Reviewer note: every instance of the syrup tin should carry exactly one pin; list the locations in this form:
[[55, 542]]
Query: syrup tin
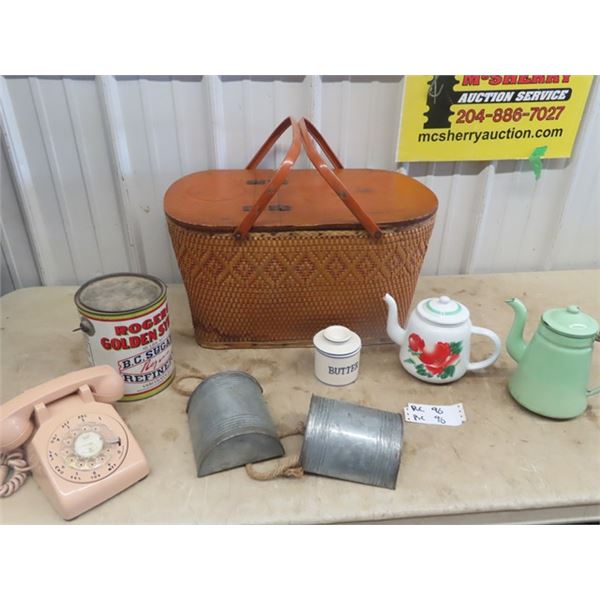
[[125, 319], [337, 355]]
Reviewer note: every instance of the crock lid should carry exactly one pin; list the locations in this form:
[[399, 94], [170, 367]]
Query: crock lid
[[570, 321], [337, 340], [443, 310]]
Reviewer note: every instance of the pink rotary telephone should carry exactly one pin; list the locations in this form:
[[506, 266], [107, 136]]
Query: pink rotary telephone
[[79, 448]]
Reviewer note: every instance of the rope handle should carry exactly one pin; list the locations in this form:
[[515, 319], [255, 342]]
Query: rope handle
[[288, 466], [16, 462], [176, 385], [242, 230], [308, 131]]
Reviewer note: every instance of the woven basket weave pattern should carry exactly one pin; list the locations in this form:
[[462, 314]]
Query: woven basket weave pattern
[[279, 289]]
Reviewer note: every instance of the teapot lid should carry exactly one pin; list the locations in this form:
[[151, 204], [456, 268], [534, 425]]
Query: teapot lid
[[570, 321], [443, 311]]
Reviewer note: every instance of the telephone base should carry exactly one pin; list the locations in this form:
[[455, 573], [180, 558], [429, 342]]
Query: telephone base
[[71, 507], [81, 452], [71, 490]]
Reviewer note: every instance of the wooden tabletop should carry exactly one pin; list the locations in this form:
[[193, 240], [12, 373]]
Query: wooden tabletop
[[504, 464]]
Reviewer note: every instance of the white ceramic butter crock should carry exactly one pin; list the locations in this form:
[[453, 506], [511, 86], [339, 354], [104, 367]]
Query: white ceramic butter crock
[[337, 355]]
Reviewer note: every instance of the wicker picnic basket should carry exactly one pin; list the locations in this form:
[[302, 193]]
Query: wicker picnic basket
[[325, 252]]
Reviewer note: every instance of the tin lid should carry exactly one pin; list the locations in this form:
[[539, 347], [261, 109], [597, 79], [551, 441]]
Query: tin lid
[[570, 321], [119, 292], [443, 310], [337, 340]]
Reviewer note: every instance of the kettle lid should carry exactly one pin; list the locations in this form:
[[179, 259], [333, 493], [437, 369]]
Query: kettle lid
[[443, 311], [571, 322]]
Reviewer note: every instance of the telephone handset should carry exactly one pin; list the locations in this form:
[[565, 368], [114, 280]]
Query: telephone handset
[[80, 450]]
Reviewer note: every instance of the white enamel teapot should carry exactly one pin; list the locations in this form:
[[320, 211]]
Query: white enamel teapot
[[436, 344]]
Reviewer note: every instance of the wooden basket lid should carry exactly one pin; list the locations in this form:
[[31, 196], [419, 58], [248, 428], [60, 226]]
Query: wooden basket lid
[[220, 199]]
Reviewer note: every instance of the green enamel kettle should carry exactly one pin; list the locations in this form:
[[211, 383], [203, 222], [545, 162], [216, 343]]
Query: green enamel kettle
[[554, 367]]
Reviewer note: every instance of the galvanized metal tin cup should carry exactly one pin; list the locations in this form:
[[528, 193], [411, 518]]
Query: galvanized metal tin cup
[[230, 424], [351, 442]]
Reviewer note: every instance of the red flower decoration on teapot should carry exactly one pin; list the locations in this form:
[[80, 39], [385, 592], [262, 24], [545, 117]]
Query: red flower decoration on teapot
[[441, 357], [416, 343], [439, 362]]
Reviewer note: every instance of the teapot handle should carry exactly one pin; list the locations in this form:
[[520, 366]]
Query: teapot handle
[[482, 364]]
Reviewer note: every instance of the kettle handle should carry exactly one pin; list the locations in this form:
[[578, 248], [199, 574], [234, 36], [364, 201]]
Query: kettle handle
[[482, 364], [595, 390]]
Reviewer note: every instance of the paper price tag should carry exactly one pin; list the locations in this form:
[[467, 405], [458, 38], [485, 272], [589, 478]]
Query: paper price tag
[[429, 414]]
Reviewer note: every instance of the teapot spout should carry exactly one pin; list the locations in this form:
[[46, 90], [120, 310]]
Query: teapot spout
[[394, 331], [515, 344]]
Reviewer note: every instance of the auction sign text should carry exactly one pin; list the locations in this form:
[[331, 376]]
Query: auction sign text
[[490, 117]]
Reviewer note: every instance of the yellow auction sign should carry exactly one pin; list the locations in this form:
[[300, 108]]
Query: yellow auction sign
[[490, 117]]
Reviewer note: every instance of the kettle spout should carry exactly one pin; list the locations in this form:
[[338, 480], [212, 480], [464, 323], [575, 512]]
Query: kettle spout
[[394, 331], [515, 344]]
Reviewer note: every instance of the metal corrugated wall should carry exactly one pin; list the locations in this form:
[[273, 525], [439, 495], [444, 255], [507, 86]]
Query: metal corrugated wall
[[86, 161], [18, 268]]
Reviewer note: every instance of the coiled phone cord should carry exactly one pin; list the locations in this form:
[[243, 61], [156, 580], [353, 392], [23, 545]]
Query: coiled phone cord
[[20, 469]]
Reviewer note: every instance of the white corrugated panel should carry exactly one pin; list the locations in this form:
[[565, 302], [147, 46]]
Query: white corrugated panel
[[18, 268], [90, 159]]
